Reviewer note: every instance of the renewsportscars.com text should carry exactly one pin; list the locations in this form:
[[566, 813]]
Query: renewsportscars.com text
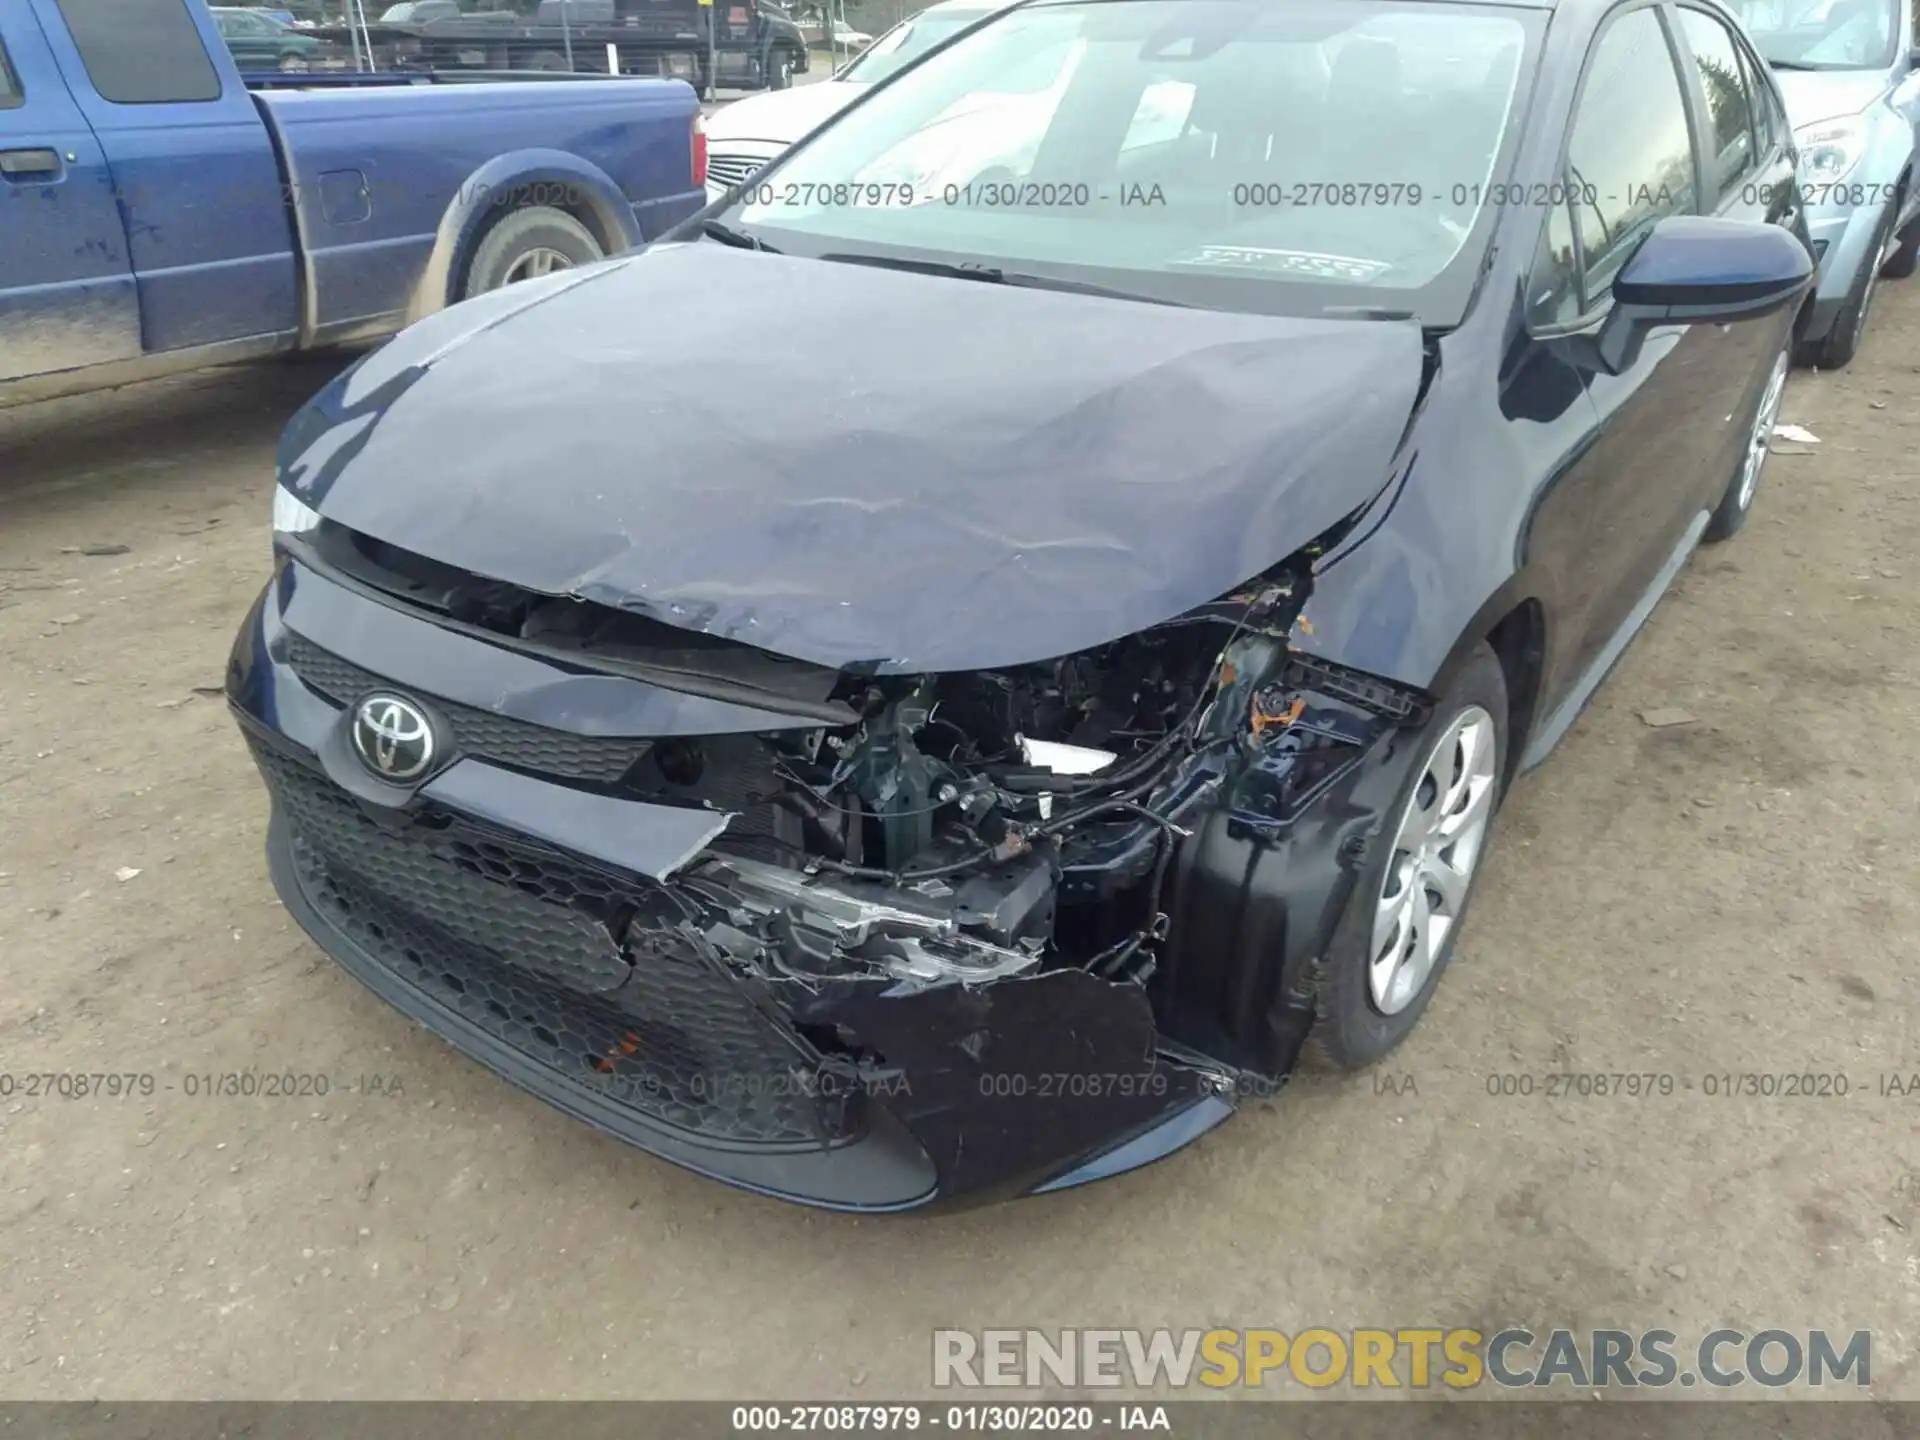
[[1383, 1358]]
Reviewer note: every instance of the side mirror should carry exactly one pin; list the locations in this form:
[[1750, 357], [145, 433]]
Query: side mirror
[[1696, 268]]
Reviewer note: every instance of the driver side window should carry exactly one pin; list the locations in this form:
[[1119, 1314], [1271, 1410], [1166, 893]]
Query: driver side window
[[1629, 164]]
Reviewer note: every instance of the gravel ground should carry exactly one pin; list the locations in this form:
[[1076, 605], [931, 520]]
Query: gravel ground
[[1732, 894]]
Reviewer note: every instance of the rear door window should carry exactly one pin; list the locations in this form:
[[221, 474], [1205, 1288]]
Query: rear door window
[[144, 54]]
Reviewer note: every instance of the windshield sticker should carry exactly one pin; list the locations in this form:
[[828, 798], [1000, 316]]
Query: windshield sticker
[[1293, 262]]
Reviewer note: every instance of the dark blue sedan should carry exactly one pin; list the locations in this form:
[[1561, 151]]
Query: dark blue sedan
[[942, 676]]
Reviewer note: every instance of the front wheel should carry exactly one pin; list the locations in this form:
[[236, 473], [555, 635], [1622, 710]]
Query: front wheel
[[1906, 254], [1842, 342], [779, 68], [294, 64], [1403, 918], [527, 244]]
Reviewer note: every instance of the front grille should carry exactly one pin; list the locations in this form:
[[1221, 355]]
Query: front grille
[[520, 744], [521, 941], [727, 171]]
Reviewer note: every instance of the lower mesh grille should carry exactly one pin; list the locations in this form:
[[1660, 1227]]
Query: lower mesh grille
[[519, 941]]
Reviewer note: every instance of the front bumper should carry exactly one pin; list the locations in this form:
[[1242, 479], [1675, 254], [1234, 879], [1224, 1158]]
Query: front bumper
[[584, 982]]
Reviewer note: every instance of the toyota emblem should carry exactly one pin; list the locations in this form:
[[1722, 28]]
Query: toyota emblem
[[393, 738]]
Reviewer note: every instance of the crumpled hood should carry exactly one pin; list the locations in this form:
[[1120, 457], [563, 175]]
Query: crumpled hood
[[853, 466]]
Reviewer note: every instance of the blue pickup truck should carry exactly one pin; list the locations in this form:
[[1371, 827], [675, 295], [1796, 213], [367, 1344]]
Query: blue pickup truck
[[158, 212]]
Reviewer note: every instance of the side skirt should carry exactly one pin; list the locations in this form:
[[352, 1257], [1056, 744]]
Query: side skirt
[[31, 389]]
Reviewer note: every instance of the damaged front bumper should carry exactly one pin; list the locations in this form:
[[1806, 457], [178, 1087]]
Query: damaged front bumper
[[518, 919]]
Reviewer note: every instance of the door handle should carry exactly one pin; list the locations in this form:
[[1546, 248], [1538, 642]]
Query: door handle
[[29, 162]]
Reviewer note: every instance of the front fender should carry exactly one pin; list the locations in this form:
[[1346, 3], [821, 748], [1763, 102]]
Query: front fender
[[1842, 218], [520, 177]]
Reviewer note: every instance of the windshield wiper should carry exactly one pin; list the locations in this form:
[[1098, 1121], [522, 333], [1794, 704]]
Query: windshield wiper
[[727, 235], [994, 275]]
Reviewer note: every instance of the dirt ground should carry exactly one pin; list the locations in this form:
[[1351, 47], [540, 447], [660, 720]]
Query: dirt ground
[[1735, 894]]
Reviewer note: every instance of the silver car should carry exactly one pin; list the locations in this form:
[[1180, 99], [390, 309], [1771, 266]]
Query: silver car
[[1846, 70]]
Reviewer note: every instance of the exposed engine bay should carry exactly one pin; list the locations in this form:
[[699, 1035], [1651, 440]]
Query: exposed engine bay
[[970, 824], [978, 825]]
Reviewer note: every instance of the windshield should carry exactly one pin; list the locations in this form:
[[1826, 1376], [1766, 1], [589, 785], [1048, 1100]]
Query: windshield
[[1297, 158], [1822, 34], [908, 40]]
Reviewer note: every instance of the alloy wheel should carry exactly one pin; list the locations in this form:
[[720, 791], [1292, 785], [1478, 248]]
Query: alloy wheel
[[1435, 852], [1763, 422]]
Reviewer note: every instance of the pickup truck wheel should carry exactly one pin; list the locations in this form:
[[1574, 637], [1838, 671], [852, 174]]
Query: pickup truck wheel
[[779, 69], [527, 244]]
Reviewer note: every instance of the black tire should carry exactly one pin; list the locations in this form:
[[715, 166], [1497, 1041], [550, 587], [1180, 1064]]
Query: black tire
[[294, 62], [1906, 258], [779, 69], [1836, 349], [519, 239], [1350, 1030], [1737, 502]]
